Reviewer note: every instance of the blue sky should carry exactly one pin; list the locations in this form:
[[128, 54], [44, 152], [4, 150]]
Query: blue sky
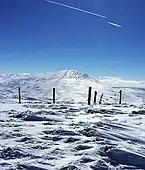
[[36, 36]]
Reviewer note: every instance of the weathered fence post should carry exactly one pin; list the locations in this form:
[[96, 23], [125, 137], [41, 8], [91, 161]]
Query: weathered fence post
[[89, 95], [120, 99], [101, 98], [19, 91], [53, 95], [95, 96]]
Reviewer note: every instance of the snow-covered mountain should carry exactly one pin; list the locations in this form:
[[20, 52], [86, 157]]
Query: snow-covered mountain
[[70, 85], [68, 135]]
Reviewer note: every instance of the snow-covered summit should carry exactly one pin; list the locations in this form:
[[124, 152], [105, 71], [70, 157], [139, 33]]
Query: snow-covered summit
[[72, 74]]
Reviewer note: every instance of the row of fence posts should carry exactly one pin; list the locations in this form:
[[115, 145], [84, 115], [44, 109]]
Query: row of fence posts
[[89, 96], [101, 98], [95, 96]]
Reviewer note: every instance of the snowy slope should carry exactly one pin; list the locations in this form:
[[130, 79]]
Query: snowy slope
[[39, 135], [70, 85]]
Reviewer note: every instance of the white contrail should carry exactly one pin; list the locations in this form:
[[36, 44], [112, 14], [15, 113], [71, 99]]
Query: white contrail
[[84, 11], [77, 9], [116, 25]]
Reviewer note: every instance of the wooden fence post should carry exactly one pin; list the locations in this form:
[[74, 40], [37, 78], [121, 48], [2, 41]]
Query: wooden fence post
[[53, 95], [19, 91], [89, 95], [95, 96], [120, 99], [101, 98]]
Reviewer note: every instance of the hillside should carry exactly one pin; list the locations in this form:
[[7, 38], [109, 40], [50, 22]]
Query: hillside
[[70, 135], [71, 85]]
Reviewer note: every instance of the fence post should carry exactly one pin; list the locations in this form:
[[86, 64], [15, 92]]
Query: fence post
[[19, 91], [95, 96], [101, 98], [120, 99], [89, 95], [53, 95]]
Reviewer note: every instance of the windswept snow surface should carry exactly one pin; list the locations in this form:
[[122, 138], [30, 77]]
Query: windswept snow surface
[[69, 135]]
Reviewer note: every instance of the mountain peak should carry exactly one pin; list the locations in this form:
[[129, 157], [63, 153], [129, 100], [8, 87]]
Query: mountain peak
[[71, 73]]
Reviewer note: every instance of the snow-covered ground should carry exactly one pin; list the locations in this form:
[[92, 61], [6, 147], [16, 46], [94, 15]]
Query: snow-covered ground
[[70, 85], [69, 135]]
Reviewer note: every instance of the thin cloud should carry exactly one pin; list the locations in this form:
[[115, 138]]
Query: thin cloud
[[114, 24]]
